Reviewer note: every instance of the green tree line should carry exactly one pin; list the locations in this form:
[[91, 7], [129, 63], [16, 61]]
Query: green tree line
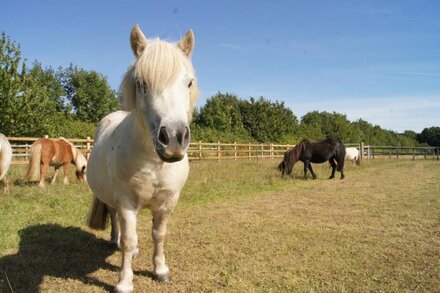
[[225, 117], [35, 101], [69, 102]]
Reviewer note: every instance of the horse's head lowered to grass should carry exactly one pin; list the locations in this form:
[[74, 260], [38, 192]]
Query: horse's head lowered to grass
[[161, 87]]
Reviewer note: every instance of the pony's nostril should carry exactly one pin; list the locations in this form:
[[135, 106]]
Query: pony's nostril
[[163, 136], [183, 136], [186, 135]]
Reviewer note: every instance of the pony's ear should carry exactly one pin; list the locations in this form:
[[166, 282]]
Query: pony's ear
[[186, 44], [138, 41]]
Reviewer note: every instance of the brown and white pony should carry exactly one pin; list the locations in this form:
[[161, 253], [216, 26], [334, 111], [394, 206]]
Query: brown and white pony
[[58, 153], [139, 158], [5, 161]]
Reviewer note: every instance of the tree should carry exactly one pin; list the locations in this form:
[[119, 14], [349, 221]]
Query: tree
[[268, 121], [430, 136], [29, 98], [222, 112], [88, 94], [319, 125]]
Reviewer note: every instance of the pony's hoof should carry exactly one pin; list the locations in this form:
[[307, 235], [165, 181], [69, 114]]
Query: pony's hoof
[[163, 278], [123, 288]]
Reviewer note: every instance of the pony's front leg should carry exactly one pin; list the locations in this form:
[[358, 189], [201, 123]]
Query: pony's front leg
[[128, 245], [306, 165], [66, 167], [55, 174], [161, 271], [311, 171]]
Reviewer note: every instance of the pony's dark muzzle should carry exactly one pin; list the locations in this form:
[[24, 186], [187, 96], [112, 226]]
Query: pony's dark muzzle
[[173, 142]]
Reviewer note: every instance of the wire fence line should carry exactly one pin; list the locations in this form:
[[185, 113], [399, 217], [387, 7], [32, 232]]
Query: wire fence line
[[199, 150]]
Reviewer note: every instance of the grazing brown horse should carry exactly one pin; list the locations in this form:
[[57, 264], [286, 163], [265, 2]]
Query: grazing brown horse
[[330, 149], [47, 152]]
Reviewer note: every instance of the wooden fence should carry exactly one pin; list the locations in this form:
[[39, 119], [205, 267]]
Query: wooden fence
[[372, 152], [233, 151]]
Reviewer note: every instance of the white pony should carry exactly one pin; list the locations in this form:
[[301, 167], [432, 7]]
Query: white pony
[[352, 154], [5, 161], [139, 158]]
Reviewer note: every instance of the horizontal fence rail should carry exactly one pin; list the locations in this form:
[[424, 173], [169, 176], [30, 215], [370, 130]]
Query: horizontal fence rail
[[199, 150]]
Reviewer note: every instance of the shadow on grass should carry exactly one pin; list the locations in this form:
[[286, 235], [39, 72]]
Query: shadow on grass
[[52, 250], [22, 182]]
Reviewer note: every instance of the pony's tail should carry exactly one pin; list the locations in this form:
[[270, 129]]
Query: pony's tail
[[358, 159], [341, 159], [33, 171], [98, 215]]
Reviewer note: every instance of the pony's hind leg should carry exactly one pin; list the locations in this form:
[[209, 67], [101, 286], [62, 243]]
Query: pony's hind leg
[[128, 245], [161, 270], [114, 234], [333, 163], [5, 184], [43, 171], [341, 169]]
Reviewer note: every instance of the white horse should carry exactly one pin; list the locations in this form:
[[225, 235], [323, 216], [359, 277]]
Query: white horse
[[139, 158], [352, 154], [5, 161]]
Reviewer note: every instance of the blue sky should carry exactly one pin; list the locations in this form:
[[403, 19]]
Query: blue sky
[[375, 60]]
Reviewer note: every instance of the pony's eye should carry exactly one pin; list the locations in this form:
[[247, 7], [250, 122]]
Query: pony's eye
[[190, 83]]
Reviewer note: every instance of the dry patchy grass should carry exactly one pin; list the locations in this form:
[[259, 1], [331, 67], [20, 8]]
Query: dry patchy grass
[[239, 227]]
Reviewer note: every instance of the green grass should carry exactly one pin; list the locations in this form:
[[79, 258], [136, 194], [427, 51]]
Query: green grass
[[240, 227]]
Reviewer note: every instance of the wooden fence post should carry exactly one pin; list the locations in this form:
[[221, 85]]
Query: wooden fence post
[[262, 151], [235, 151], [218, 151], [271, 151], [362, 150], [88, 148], [249, 151], [373, 152], [398, 150], [414, 154], [200, 149]]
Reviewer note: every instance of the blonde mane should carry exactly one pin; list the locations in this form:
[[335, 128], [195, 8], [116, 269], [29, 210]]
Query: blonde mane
[[156, 68]]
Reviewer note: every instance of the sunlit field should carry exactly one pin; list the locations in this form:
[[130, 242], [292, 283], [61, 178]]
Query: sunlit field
[[240, 227]]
